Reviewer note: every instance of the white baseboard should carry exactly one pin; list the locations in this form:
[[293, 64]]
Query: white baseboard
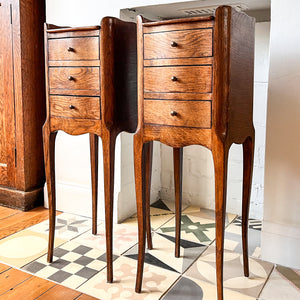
[[76, 199], [280, 244]]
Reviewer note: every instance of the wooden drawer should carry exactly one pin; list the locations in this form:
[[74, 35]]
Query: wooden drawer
[[73, 78], [75, 107], [178, 113], [81, 48], [191, 79], [178, 44]]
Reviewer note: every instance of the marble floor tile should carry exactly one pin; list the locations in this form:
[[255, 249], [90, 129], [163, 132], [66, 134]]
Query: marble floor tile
[[283, 284], [204, 269], [73, 264], [163, 253], [124, 237], [206, 213], [155, 282], [192, 289], [233, 237], [23, 247], [158, 218], [196, 226], [67, 226]]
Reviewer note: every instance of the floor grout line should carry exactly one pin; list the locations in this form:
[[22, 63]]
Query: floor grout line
[[122, 254]]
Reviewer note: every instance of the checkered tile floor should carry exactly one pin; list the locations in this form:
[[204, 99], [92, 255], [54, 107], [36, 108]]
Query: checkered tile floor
[[79, 260], [72, 265]]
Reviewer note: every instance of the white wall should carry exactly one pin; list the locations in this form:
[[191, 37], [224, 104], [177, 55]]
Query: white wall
[[281, 226], [72, 152], [198, 173], [72, 161]]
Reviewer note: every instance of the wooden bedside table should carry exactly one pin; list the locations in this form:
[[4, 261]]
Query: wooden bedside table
[[91, 88], [195, 86]]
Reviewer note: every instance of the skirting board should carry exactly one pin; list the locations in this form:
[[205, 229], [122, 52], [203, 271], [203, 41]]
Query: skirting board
[[76, 199], [280, 244], [21, 200]]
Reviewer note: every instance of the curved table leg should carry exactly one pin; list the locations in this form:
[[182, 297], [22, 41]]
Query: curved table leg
[[94, 141], [220, 156], [147, 156], [108, 142], [177, 160], [49, 157], [139, 148], [248, 153]]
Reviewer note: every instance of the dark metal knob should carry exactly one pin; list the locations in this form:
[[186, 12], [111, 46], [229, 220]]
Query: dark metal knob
[[72, 106], [174, 44], [71, 78], [174, 78], [70, 49], [173, 113]]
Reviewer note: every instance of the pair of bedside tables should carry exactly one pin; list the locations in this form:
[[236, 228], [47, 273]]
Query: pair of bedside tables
[[194, 82]]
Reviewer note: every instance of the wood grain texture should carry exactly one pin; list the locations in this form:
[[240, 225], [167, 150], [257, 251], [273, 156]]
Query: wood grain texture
[[35, 286], [86, 48], [75, 107], [4, 268], [22, 200], [94, 153], [11, 278], [17, 223], [56, 32], [176, 137], [28, 18], [232, 113], [178, 165], [117, 102], [191, 79], [6, 212], [189, 43], [178, 96], [3, 172], [82, 78], [163, 26], [74, 63], [188, 113], [59, 292], [7, 113], [178, 61], [76, 126]]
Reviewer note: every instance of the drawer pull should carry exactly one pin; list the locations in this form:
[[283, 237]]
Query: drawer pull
[[173, 113], [72, 106], [71, 78], [174, 44], [174, 78], [70, 49]]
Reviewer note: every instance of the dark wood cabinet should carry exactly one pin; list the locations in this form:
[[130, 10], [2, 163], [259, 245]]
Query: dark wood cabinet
[[195, 87], [91, 81], [22, 102]]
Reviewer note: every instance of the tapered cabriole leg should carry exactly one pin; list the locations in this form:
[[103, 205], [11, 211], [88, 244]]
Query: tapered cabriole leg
[[248, 153], [49, 157], [94, 176], [220, 156], [108, 141], [148, 154], [177, 159], [141, 208]]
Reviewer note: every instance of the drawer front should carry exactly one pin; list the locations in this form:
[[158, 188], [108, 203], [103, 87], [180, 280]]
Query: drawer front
[[191, 79], [178, 44], [83, 78], [83, 48], [178, 113], [75, 107]]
